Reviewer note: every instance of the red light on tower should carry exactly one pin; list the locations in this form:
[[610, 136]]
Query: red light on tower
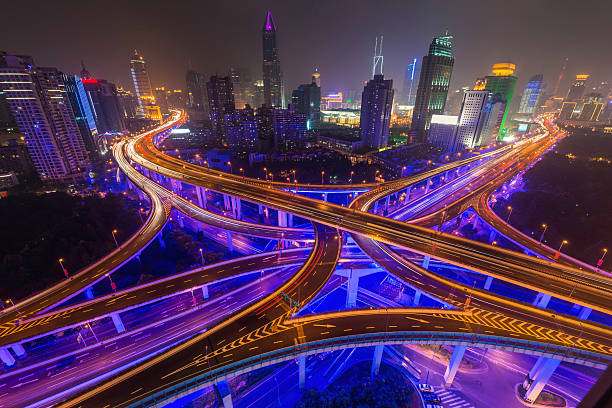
[[89, 81]]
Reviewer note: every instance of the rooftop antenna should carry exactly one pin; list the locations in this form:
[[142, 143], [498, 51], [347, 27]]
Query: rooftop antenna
[[378, 57]]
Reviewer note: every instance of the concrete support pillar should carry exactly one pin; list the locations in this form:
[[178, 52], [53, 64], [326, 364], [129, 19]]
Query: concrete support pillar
[[140, 195], [89, 293], [387, 201], [205, 291], [541, 374], [302, 370], [585, 312], [227, 202], [230, 243], [6, 357], [19, 351], [118, 176], [160, 238], [352, 288], [408, 191], [225, 393], [475, 221], [427, 184], [492, 235], [417, 297], [375, 206], [378, 352], [129, 183], [118, 322], [324, 196], [200, 197], [453, 365], [290, 220], [426, 260], [260, 209], [236, 208], [488, 282], [541, 300], [282, 219], [181, 220]]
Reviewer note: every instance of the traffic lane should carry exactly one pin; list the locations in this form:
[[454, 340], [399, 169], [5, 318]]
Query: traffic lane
[[525, 321], [64, 318], [57, 376]]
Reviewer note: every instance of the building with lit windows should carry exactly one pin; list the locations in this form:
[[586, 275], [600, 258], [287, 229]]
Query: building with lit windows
[[333, 100], [290, 129], [105, 105], [142, 86], [567, 110], [408, 87], [474, 112], [40, 106], [592, 107], [531, 95], [83, 113], [501, 83], [376, 106], [220, 102], [441, 132], [436, 70], [576, 91], [241, 129], [196, 91], [272, 76], [307, 100]]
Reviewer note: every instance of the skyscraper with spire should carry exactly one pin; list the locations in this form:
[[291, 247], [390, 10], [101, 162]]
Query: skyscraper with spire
[[436, 71], [142, 86], [272, 75]]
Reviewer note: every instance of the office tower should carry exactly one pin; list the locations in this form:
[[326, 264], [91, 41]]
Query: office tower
[[161, 99], [436, 70], [265, 128], [176, 99], [196, 91], [592, 107], [577, 89], [474, 111], [492, 121], [128, 103], [242, 85], [501, 83], [105, 105], [316, 77], [39, 104], [561, 75], [531, 95], [376, 105], [408, 86], [142, 85], [241, 130], [307, 100], [272, 75], [333, 100], [442, 132], [83, 113], [289, 129], [220, 101], [567, 110], [454, 101], [378, 59]]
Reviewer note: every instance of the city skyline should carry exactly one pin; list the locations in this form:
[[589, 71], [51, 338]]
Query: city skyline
[[342, 51]]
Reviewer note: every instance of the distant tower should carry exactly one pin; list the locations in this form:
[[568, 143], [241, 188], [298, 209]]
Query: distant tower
[[142, 83], [376, 106], [377, 62], [501, 82], [577, 89], [531, 95], [560, 77], [316, 78], [408, 86], [436, 70], [272, 75], [84, 72]]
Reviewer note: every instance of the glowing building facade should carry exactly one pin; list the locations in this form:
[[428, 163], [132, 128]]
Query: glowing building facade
[[501, 83], [272, 75], [531, 95]]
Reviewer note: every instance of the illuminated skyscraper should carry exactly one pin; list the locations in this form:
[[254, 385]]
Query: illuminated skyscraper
[[196, 90], [41, 108], [531, 95], [220, 101], [474, 110], [408, 85], [272, 75], [376, 106], [501, 83], [142, 83], [105, 105], [307, 100], [577, 89], [436, 70], [83, 112]]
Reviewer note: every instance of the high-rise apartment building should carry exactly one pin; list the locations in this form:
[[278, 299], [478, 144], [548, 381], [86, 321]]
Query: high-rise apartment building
[[272, 75], [241, 129], [531, 95], [474, 111], [376, 106], [501, 83], [289, 129], [40, 106], [436, 70], [220, 101]]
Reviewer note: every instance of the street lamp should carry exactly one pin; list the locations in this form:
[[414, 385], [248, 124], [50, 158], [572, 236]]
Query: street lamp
[[112, 284], [543, 231], [600, 262], [13, 304], [201, 257], [61, 262], [509, 214], [322, 180], [230, 166], [266, 173], [115, 238], [559, 250], [242, 171], [351, 179]]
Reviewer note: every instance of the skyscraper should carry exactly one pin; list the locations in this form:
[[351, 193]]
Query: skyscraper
[[142, 85], [577, 89], [105, 105], [83, 113], [408, 85], [196, 90], [474, 110], [220, 101], [307, 100], [531, 95], [376, 105], [272, 75], [436, 70], [39, 104], [501, 83]]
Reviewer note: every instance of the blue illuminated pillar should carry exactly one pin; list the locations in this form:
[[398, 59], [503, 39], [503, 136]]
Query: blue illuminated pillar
[[453, 365], [89, 293], [6, 357], [225, 393], [117, 322], [545, 367], [302, 371], [378, 352]]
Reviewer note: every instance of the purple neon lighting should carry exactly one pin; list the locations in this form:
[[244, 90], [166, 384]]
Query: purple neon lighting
[[270, 22]]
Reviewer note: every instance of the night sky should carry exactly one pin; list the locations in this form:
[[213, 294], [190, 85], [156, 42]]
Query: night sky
[[336, 36]]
